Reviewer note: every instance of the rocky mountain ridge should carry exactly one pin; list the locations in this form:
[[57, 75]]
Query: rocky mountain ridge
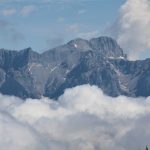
[[99, 61]]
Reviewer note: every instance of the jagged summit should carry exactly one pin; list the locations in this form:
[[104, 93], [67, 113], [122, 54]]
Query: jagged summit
[[80, 44], [30, 54], [107, 46], [104, 45], [99, 61]]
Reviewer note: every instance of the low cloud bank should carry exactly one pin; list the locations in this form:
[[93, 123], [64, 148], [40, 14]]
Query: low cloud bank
[[82, 119]]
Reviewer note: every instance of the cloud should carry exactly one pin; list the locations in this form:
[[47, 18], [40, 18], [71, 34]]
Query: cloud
[[89, 35], [16, 36], [9, 11], [83, 118], [4, 24], [131, 29], [82, 11], [78, 30], [61, 19], [9, 33], [52, 42], [26, 10], [73, 28]]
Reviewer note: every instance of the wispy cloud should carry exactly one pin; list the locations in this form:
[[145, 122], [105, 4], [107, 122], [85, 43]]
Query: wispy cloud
[[89, 35], [82, 11], [9, 11], [26, 10], [44, 1], [55, 41], [61, 19], [4, 24], [9, 33], [73, 28]]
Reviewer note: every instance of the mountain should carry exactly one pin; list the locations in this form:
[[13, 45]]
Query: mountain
[[99, 61]]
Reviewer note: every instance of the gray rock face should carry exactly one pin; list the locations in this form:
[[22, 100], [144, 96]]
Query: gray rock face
[[99, 61], [107, 47]]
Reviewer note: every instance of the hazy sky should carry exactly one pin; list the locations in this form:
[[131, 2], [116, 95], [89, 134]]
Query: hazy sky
[[43, 24]]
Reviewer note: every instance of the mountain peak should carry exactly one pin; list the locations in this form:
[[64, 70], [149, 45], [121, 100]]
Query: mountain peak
[[27, 50], [104, 38], [28, 54], [107, 46], [80, 44], [26, 73]]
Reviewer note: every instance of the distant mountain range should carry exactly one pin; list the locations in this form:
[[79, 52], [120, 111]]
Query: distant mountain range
[[99, 61]]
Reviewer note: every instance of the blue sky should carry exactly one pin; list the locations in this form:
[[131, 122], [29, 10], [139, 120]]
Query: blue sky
[[43, 24]]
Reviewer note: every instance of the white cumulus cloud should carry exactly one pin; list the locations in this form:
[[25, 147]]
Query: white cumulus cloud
[[83, 118], [131, 29]]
